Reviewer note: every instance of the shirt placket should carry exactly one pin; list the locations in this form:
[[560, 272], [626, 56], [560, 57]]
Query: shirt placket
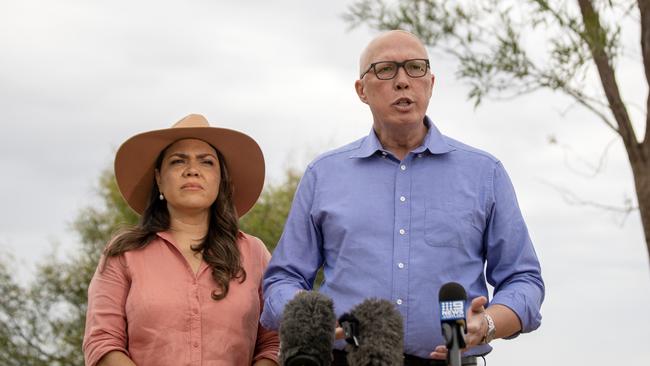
[[402, 235], [195, 323]]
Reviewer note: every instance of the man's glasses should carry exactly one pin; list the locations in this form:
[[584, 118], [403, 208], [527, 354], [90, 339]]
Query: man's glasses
[[386, 70]]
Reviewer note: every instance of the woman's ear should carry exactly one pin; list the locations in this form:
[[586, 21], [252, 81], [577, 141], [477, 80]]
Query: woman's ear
[[157, 175]]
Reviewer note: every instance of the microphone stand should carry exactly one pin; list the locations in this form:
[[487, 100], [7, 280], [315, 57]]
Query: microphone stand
[[453, 334]]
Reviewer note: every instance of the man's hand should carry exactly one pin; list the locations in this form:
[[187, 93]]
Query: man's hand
[[476, 323], [476, 328]]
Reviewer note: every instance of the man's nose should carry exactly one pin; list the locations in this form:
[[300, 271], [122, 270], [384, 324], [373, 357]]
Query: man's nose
[[402, 80]]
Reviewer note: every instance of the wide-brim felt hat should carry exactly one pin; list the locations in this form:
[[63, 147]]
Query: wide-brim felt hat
[[136, 159]]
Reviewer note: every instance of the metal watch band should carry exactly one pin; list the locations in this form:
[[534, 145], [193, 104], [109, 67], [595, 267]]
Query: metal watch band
[[491, 330]]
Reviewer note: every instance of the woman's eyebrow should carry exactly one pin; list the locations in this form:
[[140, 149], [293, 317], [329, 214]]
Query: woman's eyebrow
[[179, 154], [200, 156], [185, 155]]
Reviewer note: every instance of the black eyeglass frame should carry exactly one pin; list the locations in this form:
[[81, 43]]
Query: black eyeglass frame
[[397, 66]]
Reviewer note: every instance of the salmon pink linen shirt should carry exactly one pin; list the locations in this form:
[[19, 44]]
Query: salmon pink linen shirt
[[150, 305]]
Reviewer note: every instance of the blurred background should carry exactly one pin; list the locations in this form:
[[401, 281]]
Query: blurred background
[[77, 78]]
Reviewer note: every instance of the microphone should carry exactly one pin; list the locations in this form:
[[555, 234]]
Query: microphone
[[452, 298], [307, 330], [374, 333]]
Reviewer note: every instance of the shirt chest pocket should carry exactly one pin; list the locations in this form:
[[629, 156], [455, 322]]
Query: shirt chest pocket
[[449, 226]]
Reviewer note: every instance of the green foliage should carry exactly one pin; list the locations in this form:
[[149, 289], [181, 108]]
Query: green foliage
[[266, 219], [489, 39], [42, 324]]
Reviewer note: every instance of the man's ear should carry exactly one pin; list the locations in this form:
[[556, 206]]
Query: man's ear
[[359, 87]]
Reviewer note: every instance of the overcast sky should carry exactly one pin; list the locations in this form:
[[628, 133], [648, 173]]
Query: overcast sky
[[77, 78]]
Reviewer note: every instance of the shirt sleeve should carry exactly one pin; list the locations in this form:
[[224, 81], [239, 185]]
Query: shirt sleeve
[[267, 344], [297, 257], [105, 318], [512, 265]]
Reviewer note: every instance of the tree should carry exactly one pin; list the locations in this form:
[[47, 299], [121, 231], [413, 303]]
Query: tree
[[266, 219], [43, 324], [582, 38]]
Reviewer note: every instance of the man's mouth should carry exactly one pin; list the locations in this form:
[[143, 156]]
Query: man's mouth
[[403, 102]]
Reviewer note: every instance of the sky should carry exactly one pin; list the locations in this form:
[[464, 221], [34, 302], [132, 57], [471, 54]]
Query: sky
[[77, 78]]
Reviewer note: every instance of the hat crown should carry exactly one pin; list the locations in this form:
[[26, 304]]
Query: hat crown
[[192, 120]]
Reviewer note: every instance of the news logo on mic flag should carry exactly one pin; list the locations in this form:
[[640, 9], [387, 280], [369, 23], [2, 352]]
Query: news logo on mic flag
[[452, 310], [452, 297]]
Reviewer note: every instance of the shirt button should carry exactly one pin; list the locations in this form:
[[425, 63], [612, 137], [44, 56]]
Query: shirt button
[[383, 153], [403, 167], [399, 301], [402, 231], [419, 155], [195, 311], [402, 198], [196, 344], [400, 265]]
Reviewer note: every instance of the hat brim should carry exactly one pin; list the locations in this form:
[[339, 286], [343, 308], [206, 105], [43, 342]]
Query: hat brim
[[136, 158]]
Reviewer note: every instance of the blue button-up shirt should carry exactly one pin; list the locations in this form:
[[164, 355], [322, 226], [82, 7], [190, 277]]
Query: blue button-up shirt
[[399, 230]]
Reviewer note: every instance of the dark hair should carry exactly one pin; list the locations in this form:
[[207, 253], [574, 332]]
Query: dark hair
[[219, 247]]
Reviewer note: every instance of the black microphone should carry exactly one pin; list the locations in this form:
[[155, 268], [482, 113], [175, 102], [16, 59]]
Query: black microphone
[[307, 330], [374, 332], [452, 298]]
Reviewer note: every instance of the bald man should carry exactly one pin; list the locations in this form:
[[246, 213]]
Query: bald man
[[404, 210]]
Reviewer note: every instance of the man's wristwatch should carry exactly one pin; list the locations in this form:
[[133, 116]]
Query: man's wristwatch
[[491, 329]]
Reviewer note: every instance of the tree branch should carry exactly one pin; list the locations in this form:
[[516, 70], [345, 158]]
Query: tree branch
[[596, 37], [644, 9], [583, 101], [573, 199], [595, 169], [567, 23], [18, 330]]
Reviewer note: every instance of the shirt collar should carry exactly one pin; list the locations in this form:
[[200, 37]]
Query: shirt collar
[[166, 236], [433, 142], [368, 146]]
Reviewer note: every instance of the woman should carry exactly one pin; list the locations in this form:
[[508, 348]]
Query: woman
[[183, 287]]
